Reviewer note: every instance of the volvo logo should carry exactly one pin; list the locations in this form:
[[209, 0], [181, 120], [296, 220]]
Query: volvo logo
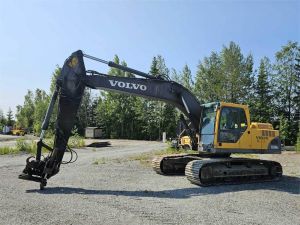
[[128, 85]]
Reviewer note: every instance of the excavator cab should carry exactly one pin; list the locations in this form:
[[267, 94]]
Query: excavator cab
[[226, 128]]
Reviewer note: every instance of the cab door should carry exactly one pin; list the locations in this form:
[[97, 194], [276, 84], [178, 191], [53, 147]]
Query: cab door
[[233, 129]]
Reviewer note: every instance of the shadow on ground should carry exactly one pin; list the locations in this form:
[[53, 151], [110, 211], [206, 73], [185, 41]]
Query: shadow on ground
[[99, 144], [286, 184]]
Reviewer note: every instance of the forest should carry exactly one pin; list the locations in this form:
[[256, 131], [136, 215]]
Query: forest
[[271, 91]]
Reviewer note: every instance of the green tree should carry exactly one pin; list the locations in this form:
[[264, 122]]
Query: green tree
[[248, 82], [54, 76], [116, 110], [32, 112], [25, 113], [297, 146], [151, 113], [155, 117], [9, 117], [187, 80], [169, 121], [183, 77], [83, 114], [297, 91], [284, 130], [262, 108], [286, 88], [175, 76], [225, 76], [41, 101], [92, 115], [210, 84], [2, 120], [236, 70], [52, 123], [165, 113]]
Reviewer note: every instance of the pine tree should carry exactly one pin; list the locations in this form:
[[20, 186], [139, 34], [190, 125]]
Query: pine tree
[[284, 130], [210, 85], [54, 76], [262, 109], [248, 82], [175, 76], [286, 88], [41, 101], [225, 76], [117, 110], [25, 113], [9, 117], [236, 69], [83, 114], [154, 114], [154, 108], [186, 77], [297, 89], [2, 120]]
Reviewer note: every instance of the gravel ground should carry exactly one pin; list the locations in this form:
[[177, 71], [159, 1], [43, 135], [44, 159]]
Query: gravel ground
[[128, 192]]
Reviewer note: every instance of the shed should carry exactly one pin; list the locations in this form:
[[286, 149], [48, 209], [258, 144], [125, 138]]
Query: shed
[[93, 132]]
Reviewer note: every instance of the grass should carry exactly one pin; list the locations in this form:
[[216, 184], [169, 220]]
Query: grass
[[30, 146], [21, 146], [8, 150], [297, 146], [147, 156], [75, 141], [100, 161], [103, 160]]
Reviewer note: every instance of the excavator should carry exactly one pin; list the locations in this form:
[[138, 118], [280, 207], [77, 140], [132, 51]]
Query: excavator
[[215, 129], [182, 140]]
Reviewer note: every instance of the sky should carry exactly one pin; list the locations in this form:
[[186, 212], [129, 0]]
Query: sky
[[35, 36]]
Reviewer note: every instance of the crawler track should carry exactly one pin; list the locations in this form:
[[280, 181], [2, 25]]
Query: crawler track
[[173, 164], [232, 171]]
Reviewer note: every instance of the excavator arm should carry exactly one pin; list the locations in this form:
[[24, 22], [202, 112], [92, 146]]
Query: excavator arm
[[69, 90]]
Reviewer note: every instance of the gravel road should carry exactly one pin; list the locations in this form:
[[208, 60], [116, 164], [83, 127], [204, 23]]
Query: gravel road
[[128, 192]]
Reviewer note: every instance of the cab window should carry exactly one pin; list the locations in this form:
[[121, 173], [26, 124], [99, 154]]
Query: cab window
[[232, 124]]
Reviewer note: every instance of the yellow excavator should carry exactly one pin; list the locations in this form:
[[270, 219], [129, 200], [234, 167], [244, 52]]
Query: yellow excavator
[[226, 128], [215, 129], [18, 131], [182, 140]]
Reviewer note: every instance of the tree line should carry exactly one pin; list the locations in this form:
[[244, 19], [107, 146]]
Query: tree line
[[271, 91]]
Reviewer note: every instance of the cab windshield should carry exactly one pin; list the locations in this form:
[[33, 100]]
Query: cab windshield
[[208, 124]]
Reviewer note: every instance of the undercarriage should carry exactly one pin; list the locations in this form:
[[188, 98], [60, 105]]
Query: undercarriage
[[206, 169]]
